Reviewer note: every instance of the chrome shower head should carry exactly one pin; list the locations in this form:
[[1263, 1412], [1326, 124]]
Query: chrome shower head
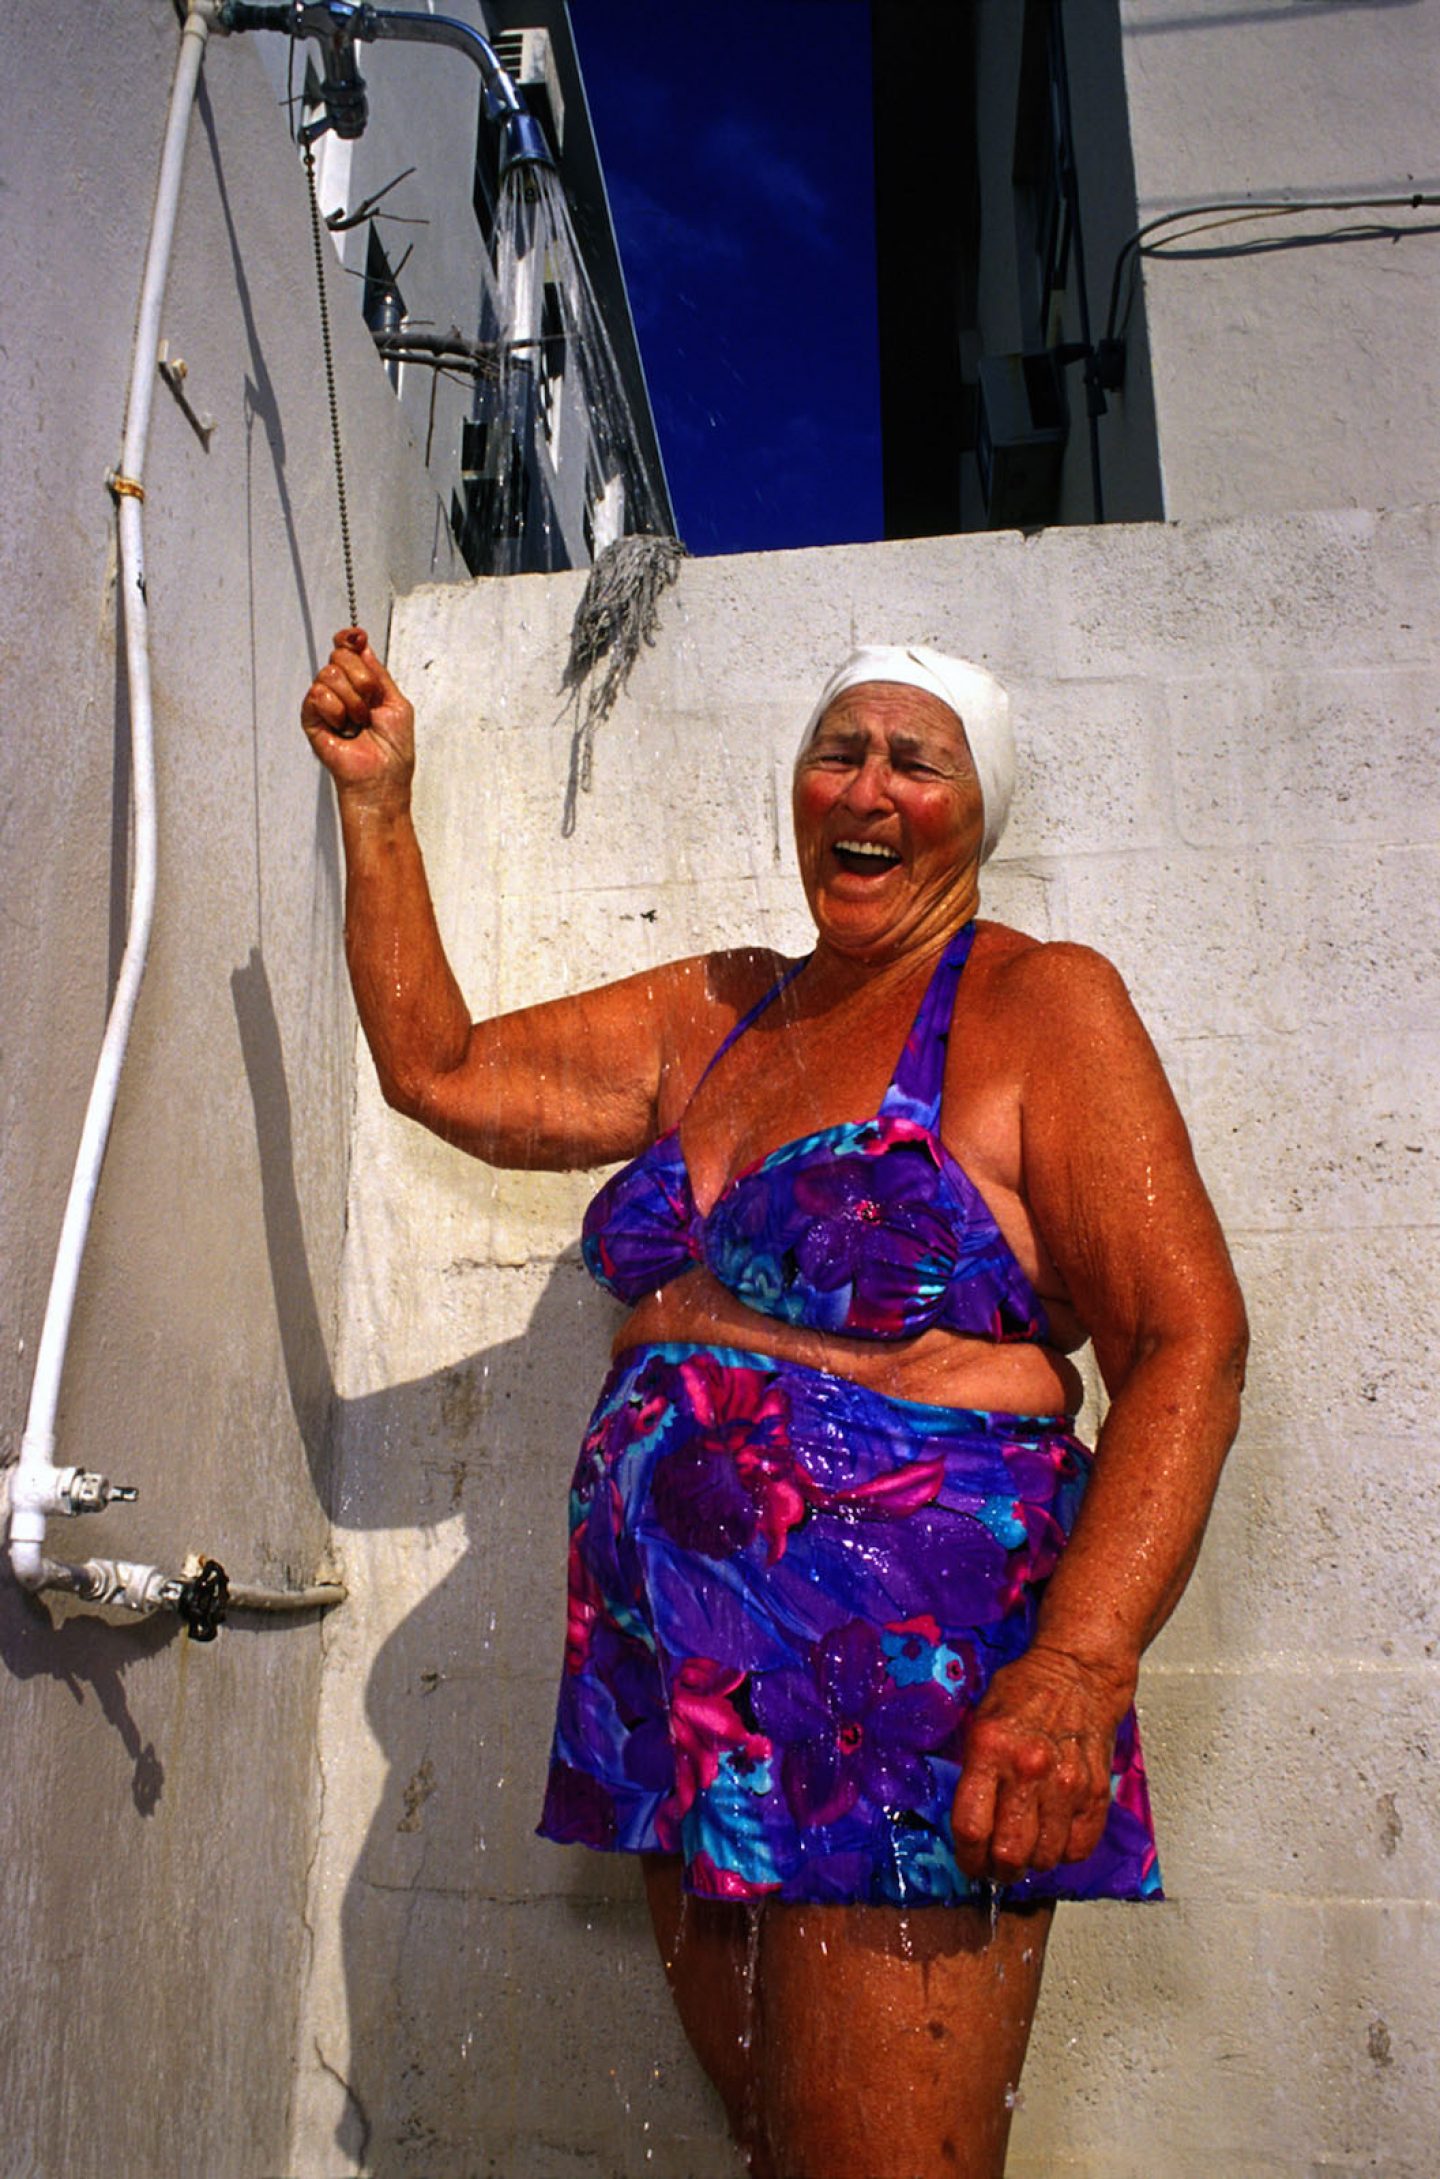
[[522, 143]]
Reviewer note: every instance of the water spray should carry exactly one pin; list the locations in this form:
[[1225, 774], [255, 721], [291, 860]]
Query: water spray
[[633, 551], [338, 24]]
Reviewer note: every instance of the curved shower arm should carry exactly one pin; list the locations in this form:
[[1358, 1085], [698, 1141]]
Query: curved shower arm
[[503, 99], [338, 23]]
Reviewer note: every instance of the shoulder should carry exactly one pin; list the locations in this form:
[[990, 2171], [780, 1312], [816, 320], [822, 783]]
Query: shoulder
[[715, 987], [1073, 1041], [1049, 985], [702, 997], [735, 979], [677, 1008], [729, 980]]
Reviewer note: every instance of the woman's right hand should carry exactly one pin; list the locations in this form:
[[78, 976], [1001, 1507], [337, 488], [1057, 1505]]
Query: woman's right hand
[[360, 725]]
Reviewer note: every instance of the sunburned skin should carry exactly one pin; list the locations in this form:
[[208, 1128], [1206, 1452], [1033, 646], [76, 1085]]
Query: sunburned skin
[[1056, 1106], [799, 1070], [887, 769]]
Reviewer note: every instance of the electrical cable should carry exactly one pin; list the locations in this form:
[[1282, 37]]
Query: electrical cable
[[1070, 183], [1240, 211]]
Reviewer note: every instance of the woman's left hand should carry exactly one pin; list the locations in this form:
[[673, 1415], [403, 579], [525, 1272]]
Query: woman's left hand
[[1035, 1788]]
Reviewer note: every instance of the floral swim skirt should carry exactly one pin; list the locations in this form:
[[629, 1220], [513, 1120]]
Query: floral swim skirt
[[786, 1595]]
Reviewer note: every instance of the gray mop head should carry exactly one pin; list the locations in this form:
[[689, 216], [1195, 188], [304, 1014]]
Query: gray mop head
[[618, 611]]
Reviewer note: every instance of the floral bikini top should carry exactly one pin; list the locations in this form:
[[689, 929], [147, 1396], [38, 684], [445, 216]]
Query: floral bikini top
[[869, 1228]]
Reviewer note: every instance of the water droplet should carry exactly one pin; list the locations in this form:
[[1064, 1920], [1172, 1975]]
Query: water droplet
[[752, 1970], [558, 393]]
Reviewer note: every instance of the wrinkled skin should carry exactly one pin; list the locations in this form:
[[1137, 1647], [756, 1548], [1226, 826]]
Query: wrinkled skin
[[1057, 1107]]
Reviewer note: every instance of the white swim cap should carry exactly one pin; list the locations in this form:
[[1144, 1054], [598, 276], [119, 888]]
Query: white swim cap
[[976, 698]]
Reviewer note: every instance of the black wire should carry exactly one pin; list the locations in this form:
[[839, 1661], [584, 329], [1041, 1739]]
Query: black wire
[[1240, 208], [1374, 230], [317, 233], [1071, 185]]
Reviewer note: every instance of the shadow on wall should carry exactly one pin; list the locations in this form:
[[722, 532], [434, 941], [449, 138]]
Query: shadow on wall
[[84, 1652], [464, 1953], [262, 403]]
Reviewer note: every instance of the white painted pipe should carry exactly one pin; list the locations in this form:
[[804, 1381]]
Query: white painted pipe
[[37, 1487]]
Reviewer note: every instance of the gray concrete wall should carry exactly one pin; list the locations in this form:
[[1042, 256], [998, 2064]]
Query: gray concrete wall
[[1296, 377], [1230, 785], [160, 1800], [1007, 273]]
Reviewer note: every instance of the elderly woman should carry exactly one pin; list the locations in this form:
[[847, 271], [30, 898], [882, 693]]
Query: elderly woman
[[853, 1627]]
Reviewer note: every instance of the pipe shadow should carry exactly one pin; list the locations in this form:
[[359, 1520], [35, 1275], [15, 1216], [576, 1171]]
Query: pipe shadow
[[84, 1653], [304, 1347], [458, 1697], [261, 401]]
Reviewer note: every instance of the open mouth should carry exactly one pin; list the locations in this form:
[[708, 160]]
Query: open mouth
[[866, 858]]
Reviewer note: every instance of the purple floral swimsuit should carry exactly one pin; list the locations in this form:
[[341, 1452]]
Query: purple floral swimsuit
[[787, 1592]]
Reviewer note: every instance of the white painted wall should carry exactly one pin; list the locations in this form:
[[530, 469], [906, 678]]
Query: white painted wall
[[1295, 377], [1281, 378], [160, 1800], [1230, 785]]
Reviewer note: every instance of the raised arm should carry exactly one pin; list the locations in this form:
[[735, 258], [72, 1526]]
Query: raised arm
[[1111, 1181], [575, 1082]]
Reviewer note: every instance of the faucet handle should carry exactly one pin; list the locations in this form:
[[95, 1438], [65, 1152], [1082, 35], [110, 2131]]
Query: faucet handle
[[203, 1601]]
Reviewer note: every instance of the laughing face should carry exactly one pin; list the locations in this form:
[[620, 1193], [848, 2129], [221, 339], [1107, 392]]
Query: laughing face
[[888, 821]]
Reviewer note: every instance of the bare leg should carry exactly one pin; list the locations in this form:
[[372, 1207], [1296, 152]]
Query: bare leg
[[710, 1952], [893, 2041], [876, 2044]]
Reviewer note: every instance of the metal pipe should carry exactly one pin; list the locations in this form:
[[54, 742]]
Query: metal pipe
[[502, 96], [37, 1487], [317, 1596], [338, 23]]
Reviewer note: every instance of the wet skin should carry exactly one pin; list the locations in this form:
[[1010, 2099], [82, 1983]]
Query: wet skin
[[909, 2065], [888, 826], [1056, 1106]]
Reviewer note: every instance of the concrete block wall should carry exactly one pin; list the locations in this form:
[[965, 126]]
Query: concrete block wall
[[159, 1799], [1230, 786]]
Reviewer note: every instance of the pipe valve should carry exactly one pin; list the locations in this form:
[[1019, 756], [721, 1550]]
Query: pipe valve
[[79, 1490], [199, 1600], [203, 1601]]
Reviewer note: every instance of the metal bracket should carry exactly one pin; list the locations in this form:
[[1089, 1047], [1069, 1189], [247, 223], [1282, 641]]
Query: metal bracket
[[175, 371]]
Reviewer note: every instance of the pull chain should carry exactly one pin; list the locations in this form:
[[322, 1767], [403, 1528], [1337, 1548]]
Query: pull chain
[[315, 229]]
